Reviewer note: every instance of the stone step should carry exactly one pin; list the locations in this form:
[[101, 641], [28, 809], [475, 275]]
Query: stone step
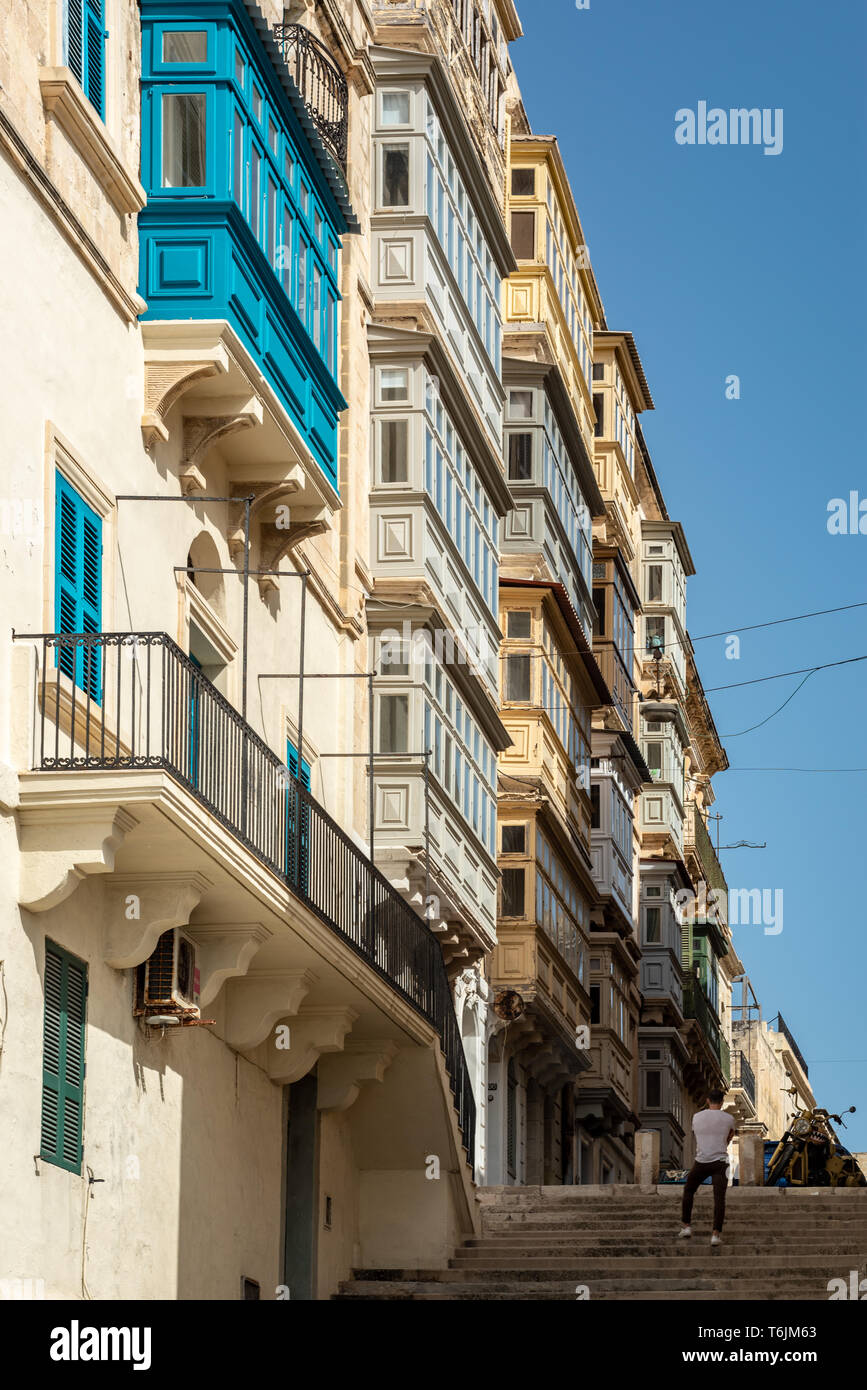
[[656, 1218], [646, 1272], [701, 1220], [669, 1290], [744, 1250]]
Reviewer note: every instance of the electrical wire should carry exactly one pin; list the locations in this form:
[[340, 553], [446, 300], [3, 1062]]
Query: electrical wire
[[760, 680], [775, 713], [773, 622]]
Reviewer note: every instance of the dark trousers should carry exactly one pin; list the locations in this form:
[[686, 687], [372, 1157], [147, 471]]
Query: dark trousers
[[697, 1175]]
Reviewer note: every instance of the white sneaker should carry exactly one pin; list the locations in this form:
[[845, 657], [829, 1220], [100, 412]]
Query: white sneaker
[[716, 1240], [685, 1233]]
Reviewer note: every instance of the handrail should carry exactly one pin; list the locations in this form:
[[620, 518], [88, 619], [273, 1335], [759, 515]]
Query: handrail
[[743, 1075], [322, 85], [126, 700]]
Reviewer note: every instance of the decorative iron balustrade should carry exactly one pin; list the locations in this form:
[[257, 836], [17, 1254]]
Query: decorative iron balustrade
[[322, 85], [697, 834], [151, 707], [743, 1076], [792, 1044]]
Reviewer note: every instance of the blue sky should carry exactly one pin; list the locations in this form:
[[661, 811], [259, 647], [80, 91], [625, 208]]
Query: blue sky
[[723, 260]]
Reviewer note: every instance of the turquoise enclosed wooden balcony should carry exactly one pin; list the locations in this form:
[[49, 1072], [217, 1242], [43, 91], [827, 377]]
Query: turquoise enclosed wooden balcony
[[246, 206]]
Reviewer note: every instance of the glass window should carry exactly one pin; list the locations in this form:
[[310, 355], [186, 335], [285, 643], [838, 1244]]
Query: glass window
[[395, 108], [524, 183], [303, 250], [395, 176], [518, 678], [393, 657], [238, 161], [653, 1089], [518, 623], [654, 759], [520, 457], [187, 46], [655, 633], [514, 839], [255, 190], [521, 405], [654, 583], [598, 371], [524, 235], [652, 932], [317, 306], [393, 723], [394, 384], [257, 102], [513, 893], [394, 455], [184, 138]]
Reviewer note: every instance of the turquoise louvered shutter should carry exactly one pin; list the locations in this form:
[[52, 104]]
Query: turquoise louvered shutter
[[298, 872], [292, 760], [63, 1058], [85, 48], [78, 583]]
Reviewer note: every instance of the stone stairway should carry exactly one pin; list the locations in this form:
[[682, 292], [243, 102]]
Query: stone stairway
[[618, 1243]]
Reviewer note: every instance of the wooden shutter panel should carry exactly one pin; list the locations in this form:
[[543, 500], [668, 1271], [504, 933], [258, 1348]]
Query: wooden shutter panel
[[95, 53], [63, 1058], [303, 866], [75, 38], [78, 582]]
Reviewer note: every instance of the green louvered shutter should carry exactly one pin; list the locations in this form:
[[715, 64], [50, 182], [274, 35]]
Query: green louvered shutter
[[63, 1058]]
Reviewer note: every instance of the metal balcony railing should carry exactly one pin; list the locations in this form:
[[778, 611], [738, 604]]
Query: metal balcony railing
[[743, 1076], [698, 836], [792, 1044], [121, 701], [323, 87]]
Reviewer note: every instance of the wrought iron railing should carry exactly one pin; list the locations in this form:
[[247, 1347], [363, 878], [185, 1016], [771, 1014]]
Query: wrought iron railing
[[322, 85], [697, 834], [743, 1075], [697, 1005], [792, 1044], [149, 706]]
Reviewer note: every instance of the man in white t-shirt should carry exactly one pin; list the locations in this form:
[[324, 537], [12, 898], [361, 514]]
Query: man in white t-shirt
[[714, 1130]]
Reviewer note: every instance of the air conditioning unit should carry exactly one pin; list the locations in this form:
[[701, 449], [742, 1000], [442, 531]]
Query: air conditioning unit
[[169, 981]]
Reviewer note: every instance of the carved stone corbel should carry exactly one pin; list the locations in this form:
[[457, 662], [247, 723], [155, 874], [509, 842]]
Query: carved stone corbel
[[258, 1000], [225, 953], [165, 383], [138, 908], [202, 432], [342, 1074], [278, 538], [311, 1032], [59, 845]]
